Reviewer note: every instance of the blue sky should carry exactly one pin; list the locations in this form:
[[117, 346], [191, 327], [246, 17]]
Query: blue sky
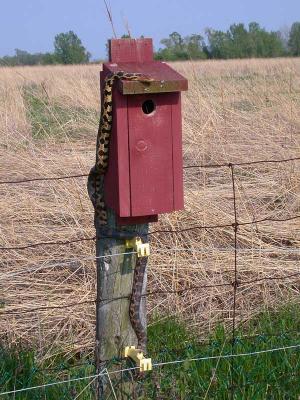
[[32, 24]]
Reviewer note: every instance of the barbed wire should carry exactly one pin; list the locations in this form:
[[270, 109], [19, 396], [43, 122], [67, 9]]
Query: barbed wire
[[155, 365], [228, 225], [49, 243], [233, 284], [221, 165], [63, 263], [209, 250], [44, 178], [165, 231], [241, 163], [160, 231]]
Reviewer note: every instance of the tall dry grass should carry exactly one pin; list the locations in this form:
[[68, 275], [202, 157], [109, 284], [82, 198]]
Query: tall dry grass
[[234, 111]]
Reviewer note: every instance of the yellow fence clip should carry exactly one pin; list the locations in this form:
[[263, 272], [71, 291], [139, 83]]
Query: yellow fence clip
[[142, 249], [145, 364]]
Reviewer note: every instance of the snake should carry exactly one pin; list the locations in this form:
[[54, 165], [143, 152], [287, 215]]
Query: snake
[[135, 303], [96, 194]]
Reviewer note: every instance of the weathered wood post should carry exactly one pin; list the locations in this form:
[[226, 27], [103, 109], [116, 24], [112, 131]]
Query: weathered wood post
[[144, 179]]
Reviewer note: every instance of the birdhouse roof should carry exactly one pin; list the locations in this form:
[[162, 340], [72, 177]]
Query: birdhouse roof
[[165, 78]]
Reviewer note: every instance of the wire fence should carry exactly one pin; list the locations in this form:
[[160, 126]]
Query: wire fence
[[105, 372], [221, 165], [235, 282]]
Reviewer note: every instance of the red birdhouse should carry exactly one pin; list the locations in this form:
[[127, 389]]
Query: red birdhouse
[[144, 176]]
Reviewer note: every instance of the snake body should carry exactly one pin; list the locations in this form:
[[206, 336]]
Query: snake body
[[135, 302], [95, 182]]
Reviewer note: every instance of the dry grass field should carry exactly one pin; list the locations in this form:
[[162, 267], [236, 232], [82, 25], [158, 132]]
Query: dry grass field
[[234, 111]]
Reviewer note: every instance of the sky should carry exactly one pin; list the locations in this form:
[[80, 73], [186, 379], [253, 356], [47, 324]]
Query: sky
[[32, 24]]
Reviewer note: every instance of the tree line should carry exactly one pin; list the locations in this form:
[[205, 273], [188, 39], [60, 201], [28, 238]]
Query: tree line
[[239, 41], [68, 49]]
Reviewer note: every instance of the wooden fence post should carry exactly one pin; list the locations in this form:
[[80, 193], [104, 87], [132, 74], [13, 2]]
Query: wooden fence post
[[114, 285]]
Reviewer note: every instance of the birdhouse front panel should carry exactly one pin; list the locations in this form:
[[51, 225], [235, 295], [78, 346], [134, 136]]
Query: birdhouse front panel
[[151, 153]]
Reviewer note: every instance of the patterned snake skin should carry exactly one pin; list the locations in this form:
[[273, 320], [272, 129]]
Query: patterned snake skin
[[96, 195], [135, 302]]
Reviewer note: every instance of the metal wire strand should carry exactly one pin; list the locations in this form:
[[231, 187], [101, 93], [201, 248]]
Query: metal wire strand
[[168, 231], [157, 364], [221, 165], [152, 293]]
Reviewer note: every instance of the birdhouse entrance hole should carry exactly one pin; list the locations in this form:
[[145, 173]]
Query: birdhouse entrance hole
[[148, 106]]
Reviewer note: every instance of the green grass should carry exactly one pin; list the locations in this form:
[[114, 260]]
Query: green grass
[[265, 376], [18, 369], [52, 119], [273, 375]]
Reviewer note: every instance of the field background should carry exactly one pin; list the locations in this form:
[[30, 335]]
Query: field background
[[234, 111]]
